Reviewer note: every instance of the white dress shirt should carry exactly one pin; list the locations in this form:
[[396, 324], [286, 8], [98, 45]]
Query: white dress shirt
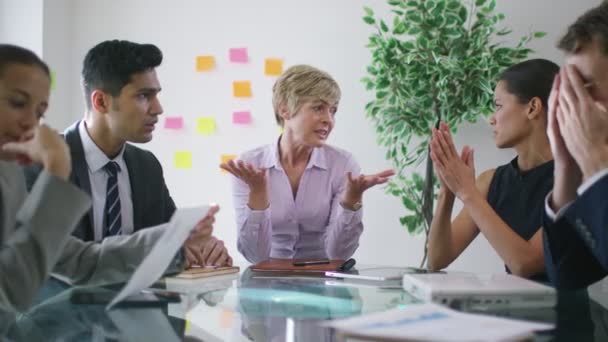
[[96, 159], [581, 189]]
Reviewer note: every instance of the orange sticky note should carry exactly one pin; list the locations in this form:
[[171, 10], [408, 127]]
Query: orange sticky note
[[205, 126], [226, 319], [241, 88], [226, 158], [205, 63], [183, 160], [274, 67]]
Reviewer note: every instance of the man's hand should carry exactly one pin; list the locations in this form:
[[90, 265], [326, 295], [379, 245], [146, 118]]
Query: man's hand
[[567, 174], [202, 248], [583, 123]]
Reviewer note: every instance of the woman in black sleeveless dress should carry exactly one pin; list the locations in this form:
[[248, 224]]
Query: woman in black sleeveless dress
[[505, 204]]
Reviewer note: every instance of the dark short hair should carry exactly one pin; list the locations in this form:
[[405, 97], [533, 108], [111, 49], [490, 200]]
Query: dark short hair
[[531, 78], [12, 54], [591, 25], [110, 65]]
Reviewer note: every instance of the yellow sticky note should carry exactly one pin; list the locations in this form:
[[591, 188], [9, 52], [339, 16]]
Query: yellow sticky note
[[241, 88], [183, 160], [205, 63], [205, 125], [226, 158], [274, 67]]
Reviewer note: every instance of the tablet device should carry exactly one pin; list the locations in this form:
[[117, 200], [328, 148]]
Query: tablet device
[[376, 273], [470, 290]]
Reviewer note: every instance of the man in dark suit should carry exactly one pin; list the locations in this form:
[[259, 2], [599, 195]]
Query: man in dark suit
[[125, 182], [576, 220]]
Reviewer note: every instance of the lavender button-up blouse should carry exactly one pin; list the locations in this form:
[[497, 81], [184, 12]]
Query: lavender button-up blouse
[[313, 224]]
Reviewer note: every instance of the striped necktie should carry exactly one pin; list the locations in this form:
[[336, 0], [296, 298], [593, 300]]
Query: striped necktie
[[112, 217]]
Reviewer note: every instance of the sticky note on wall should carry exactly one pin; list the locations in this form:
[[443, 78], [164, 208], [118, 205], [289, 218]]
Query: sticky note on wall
[[274, 67], [239, 55], [226, 158], [183, 160], [241, 88], [205, 63], [205, 125], [174, 122], [242, 118]]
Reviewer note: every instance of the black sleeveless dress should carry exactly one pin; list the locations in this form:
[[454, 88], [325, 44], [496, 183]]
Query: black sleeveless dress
[[518, 197]]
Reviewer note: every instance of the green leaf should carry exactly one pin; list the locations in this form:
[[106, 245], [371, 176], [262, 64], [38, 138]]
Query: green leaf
[[463, 14], [381, 94], [369, 20], [383, 83], [399, 29], [492, 5], [539, 34], [414, 17], [479, 3], [408, 203], [368, 11], [383, 26]]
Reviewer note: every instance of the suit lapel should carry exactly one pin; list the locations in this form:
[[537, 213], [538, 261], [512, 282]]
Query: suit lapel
[[80, 170], [137, 185]]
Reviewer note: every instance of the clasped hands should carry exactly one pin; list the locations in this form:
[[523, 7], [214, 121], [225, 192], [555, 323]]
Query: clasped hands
[[577, 128], [456, 172]]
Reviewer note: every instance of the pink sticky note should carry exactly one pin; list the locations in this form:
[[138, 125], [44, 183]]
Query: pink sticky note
[[239, 55], [243, 118], [174, 122]]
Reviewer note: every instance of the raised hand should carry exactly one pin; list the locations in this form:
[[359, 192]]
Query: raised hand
[[567, 172], [43, 146], [457, 172], [252, 176], [357, 185]]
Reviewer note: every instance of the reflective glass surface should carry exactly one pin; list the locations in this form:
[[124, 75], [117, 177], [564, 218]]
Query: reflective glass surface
[[254, 307]]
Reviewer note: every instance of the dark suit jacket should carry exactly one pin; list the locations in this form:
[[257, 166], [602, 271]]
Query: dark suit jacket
[[152, 204], [576, 245]]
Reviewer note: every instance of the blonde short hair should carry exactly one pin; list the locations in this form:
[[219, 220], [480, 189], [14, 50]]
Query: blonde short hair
[[300, 83]]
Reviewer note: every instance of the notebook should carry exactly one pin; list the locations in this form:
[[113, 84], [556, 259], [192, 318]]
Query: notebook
[[202, 272], [287, 266], [470, 291]]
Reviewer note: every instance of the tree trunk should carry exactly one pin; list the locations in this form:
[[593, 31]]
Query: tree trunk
[[427, 202]]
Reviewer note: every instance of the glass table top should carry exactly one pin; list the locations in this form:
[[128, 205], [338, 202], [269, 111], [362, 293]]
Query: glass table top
[[253, 307]]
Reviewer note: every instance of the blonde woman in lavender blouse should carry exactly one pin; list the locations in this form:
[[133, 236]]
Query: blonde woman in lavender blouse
[[299, 197]]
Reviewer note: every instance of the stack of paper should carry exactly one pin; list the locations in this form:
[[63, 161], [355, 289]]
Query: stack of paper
[[432, 322]]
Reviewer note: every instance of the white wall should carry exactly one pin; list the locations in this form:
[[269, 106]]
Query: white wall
[[21, 23], [326, 34], [57, 49]]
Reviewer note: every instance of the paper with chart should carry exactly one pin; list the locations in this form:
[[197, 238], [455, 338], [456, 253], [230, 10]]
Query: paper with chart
[[433, 322], [161, 255]]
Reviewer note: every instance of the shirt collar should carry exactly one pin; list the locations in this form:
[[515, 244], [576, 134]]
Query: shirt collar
[[94, 156], [272, 159]]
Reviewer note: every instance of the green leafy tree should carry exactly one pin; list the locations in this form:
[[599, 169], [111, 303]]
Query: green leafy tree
[[434, 60]]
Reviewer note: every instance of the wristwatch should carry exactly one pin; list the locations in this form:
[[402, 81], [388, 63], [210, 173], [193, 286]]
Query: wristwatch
[[354, 207]]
